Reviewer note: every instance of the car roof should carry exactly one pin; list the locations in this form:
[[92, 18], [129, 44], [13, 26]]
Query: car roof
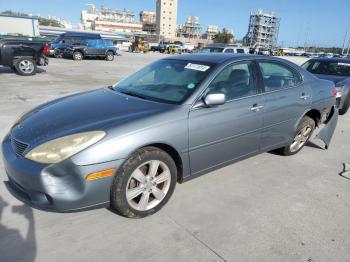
[[331, 59], [218, 58], [95, 35]]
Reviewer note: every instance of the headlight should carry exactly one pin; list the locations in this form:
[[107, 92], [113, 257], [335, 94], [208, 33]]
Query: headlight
[[62, 148]]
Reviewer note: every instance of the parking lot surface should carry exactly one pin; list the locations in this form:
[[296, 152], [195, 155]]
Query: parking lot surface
[[266, 208]]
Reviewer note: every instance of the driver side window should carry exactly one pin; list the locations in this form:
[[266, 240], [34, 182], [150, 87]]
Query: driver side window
[[235, 81]]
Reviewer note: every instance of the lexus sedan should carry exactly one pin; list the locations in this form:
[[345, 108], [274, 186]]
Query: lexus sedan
[[126, 146], [336, 70]]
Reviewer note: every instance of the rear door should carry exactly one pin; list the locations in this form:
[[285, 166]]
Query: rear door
[[92, 47], [286, 98], [221, 134]]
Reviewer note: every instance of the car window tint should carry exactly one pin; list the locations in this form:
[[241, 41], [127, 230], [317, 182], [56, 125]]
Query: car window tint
[[277, 76], [235, 81], [330, 68]]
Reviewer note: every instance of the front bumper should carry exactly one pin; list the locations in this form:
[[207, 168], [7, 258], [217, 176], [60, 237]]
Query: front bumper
[[58, 187]]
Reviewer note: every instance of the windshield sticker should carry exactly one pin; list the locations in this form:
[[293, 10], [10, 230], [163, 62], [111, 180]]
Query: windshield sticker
[[191, 86], [197, 67], [343, 64]]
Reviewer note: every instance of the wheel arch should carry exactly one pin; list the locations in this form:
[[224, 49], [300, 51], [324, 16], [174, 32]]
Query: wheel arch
[[314, 114], [173, 153]]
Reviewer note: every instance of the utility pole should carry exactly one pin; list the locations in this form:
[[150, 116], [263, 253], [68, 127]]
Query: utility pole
[[346, 35]]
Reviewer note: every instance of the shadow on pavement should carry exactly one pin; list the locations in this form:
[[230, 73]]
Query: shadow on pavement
[[13, 247]]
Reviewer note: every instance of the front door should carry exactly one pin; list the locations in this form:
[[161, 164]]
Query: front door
[[221, 134]]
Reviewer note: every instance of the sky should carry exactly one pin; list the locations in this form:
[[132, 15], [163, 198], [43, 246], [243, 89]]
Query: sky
[[314, 22]]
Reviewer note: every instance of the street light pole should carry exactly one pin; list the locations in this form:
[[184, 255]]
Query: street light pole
[[346, 35]]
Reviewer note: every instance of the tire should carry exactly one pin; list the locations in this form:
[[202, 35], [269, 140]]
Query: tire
[[304, 131], [25, 66], [136, 204], [346, 106], [109, 56], [77, 56]]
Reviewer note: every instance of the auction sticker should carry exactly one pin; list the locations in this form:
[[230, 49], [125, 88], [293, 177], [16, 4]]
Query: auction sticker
[[197, 67]]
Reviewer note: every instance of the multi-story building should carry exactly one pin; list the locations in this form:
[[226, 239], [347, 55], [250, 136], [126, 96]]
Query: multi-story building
[[148, 21], [166, 18], [212, 30], [109, 20], [263, 30], [190, 29]]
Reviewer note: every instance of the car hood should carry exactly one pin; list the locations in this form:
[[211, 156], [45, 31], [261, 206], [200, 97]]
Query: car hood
[[90, 111], [334, 79]]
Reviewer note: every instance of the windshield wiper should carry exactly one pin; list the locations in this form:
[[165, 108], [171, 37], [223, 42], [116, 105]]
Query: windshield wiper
[[132, 94]]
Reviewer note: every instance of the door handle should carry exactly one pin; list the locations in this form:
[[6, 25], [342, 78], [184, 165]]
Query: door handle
[[256, 108], [304, 96]]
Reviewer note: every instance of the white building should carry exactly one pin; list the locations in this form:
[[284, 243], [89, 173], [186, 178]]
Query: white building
[[166, 18], [109, 20], [23, 25]]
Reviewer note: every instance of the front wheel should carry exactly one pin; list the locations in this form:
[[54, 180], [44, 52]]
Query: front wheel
[[77, 56], [304, 131], [109, 56], [144, 184]]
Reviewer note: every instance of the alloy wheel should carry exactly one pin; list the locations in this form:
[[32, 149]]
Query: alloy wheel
[[26, 66], [148, 185], [301, 138]]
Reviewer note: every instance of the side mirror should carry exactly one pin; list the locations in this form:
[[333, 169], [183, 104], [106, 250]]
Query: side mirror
[[215, 99]]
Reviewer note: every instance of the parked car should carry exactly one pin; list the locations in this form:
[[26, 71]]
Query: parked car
[[336, 70], [127, 145], [23, 56], [91, 48], [162, 46], [60, 43], [174, 49], [223, 49]]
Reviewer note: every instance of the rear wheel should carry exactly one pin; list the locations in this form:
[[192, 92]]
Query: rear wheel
[[109, 56], [144, 184], [78, 56], [346, 106], [25, 66], [302, 135]]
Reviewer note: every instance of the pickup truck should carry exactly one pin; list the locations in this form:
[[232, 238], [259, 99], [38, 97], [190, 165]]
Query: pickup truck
[[23, 56]]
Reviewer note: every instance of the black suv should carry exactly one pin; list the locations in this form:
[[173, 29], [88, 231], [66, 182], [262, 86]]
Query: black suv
[[91, 48], [65, 40]]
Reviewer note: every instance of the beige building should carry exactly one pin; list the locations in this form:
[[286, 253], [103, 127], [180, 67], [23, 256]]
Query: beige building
[[108, 20], [148, 21], [166, 18]]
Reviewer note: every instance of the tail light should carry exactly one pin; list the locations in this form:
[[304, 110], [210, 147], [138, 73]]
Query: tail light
[[46, 50], [334, 91]]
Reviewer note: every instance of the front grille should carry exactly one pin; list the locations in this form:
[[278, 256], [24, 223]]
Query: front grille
[[18, 146]]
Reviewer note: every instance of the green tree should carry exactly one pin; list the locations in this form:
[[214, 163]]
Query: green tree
[[223, 37]]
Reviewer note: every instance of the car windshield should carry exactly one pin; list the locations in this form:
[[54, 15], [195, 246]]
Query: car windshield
[[167, 81], [328, 68]]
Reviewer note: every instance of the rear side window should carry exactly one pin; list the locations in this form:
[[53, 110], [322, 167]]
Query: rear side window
[[278, 76], [328, 68]]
